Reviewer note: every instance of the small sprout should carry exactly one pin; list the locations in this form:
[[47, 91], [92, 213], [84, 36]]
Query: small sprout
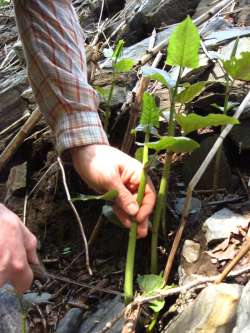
[[238, 68]]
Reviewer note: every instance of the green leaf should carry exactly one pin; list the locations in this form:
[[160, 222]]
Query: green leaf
[[158, 75], [104, 92], [189, 93], [184, 44], [118, 50], [193, 121], [124, 65], [238, 68], [150, 112], [157, 305], [150, 283], [108, 196], [174, 144], [108, 212], [139, 154]]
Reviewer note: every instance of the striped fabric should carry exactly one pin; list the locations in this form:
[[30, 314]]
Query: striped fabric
[[54, 49]]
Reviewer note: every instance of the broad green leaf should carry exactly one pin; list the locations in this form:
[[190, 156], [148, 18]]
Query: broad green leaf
[[238, 68], [174, 144], [150, 112], [189, 93], [192, 122], [139, 154], [157, 305], [108, 212], [184, 44], [150, 283], [158, 75], [108, 196], [124, 65], [108, 53], [118, 50]]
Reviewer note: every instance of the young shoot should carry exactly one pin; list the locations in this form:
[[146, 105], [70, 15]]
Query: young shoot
[[119, 65], [235, 69], [149, 121]]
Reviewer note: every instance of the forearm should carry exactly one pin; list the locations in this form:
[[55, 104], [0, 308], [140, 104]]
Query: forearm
[[54, 50]]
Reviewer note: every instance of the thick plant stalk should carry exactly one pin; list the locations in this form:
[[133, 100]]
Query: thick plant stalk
[[163, 190], [129, 270]]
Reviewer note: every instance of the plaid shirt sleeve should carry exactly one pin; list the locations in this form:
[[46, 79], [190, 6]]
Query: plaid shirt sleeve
[[54, 49]]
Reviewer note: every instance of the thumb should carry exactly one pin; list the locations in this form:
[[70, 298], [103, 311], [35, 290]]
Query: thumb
[[125, 200]]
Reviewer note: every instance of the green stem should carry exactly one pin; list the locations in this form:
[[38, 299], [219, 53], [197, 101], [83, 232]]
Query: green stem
[[163, 190], [129, 269], [23, 314], [219, 152], [108, 112]]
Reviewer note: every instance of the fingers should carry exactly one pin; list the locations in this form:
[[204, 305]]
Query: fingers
[[125, 200], [30, 245], [148, 203], [142, 228], [22, 276]]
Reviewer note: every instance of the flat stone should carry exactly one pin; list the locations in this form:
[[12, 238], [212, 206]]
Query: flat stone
[[213, 311], [243, 312], [154, 14], [191, 251], [106, 313], [16, 183], [71, 322], [193, 162], [222, 224], [36, 298], [10, 311], [195, 206]]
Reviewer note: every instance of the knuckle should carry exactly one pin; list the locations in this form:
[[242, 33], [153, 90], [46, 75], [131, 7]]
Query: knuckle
[[32, 243], [19, 266]]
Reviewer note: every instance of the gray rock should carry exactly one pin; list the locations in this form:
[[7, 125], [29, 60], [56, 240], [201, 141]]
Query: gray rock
[[244, 14], [194, 161], [10, 311], [156, 13], [118, 97], [16, 183], [206, 315], [106, 313], [36, 298], [240, 135], [243, 312], [243, 46], [195, 206], [191, 251], [222, 224], [71, 322]]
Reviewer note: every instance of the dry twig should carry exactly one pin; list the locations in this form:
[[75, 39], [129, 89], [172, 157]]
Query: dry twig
[[76, 215]]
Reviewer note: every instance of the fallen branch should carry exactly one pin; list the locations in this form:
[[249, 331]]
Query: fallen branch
[[76, 215], [19, 138], [192, 185]]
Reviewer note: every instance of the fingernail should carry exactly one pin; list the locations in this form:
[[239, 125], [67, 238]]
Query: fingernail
[[132, 208]]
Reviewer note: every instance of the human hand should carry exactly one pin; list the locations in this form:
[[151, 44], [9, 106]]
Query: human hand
[[105, 168], [17, 251]]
